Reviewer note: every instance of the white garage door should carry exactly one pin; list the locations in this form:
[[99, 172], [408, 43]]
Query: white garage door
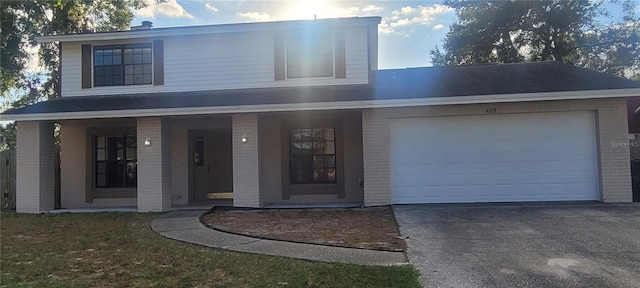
[[494, 158]]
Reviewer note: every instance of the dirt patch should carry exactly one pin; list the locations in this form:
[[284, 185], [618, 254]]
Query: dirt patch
[[367, 228]]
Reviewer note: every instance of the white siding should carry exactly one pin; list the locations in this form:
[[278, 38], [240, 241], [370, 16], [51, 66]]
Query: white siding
[[217, 61], [356, 56]]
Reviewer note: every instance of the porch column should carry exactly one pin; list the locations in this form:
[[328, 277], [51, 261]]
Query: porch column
[[154, 174], [613, 133], [246, 178], [376, 151], [35, 178]]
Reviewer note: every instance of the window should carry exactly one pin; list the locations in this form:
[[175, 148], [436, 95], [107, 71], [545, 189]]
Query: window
[[115, 161], [310, 55], [122, 65], [313, 155], [198, 154]]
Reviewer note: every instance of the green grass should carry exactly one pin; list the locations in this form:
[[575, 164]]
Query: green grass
[[121, 250]]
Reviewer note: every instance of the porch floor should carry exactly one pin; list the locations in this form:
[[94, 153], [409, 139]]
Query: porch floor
[[95, 210], [311, 205], [204, 204]]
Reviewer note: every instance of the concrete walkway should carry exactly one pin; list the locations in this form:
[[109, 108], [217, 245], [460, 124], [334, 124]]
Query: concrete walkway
[[185, 226]]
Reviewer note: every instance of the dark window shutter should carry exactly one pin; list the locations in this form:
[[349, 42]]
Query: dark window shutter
[[279, 56], [339, 54], [158, 62], [86, 66]]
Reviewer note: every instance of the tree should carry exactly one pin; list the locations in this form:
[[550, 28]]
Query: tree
[[8, 137], [12, 52], [515, 31], [615, 49], [437, 57], [539, 30]]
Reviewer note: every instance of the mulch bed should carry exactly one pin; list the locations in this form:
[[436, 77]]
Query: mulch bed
[[372, 228]]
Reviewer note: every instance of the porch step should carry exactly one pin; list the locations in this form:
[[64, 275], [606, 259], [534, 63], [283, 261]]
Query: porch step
[[312, 205], [220, 195]]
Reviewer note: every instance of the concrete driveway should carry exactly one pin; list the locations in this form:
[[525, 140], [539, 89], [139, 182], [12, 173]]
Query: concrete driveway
[[528, 245]]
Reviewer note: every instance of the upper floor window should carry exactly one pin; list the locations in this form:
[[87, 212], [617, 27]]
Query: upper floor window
[[310, 55], [122, 65]]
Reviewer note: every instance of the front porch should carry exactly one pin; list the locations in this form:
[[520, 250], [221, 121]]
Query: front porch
[[176, 162]]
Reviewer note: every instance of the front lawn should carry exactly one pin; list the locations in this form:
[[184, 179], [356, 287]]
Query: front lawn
[[121, 250]]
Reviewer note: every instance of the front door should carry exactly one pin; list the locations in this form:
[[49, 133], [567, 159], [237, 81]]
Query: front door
[[212, 164]]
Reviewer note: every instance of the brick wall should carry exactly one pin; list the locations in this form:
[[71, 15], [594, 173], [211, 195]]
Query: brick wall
[[246, 182], [154, 174], [613, 135], [375, 150], [611, 127], [35, 187]]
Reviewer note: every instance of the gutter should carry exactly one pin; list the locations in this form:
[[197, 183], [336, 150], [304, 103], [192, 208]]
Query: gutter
[[338, 105], [210, 29]]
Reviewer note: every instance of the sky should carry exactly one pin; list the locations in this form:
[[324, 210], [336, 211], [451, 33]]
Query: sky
[[409, 29]]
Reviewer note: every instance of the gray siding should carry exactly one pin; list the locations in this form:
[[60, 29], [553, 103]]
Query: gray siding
[[35, 158], [246, 177], [154, 168]]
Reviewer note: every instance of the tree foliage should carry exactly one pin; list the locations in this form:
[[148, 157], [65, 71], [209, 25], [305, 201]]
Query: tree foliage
[[615, 49], [8, 136], [498, 31]]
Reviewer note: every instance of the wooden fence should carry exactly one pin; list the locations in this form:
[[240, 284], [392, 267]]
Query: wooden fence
[[8, 179]]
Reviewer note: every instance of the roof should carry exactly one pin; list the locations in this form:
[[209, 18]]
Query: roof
[[391, 88], [538, 77], [210, 29], [236, 97]]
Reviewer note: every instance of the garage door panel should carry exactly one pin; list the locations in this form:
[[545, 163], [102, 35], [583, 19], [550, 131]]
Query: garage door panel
[[494, 158]]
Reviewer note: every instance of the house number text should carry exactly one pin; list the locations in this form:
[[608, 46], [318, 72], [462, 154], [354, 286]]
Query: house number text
[[491, 110]]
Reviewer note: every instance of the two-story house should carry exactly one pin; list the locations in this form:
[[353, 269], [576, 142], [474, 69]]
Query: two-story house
[[296, 113]]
